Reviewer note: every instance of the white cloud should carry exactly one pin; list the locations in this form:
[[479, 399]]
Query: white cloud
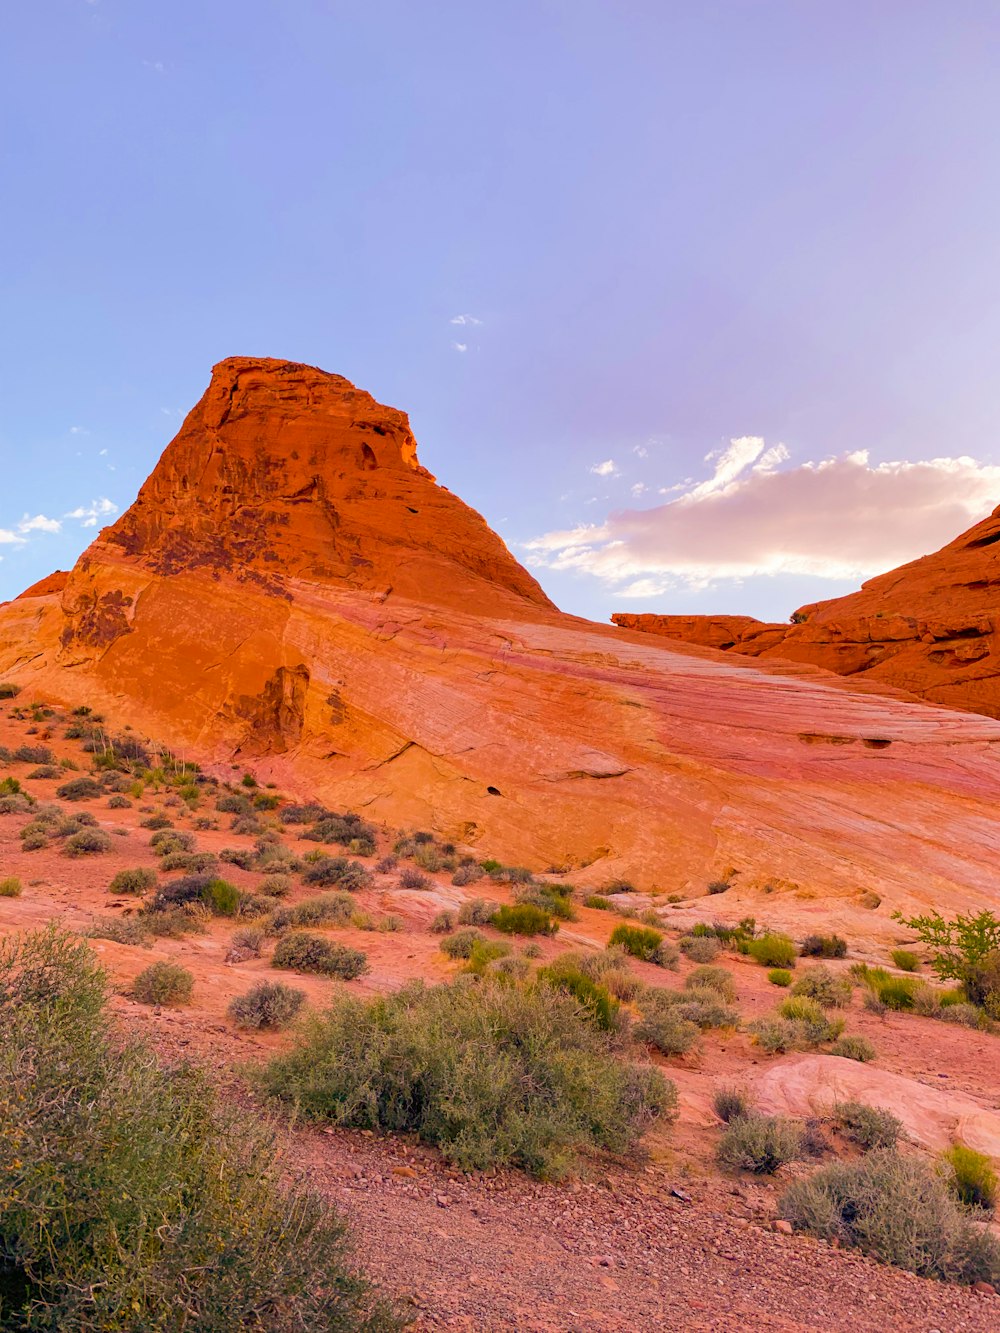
[[88, 515], [605, 469], [465, 319], [838, 518], [638, 488], [460, 347], [10, 538], [78, 430], [640, 450], [39, 524]]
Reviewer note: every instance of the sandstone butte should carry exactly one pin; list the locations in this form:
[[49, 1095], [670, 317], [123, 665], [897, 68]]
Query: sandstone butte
[[930, 627], [292, 589]]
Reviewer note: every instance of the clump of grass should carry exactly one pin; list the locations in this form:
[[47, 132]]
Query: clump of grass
[[11, 887], [890, 991], [133, 882], [640, 941], [700, 948], [599, 903], [524, 919], [303, 952], [823, 946], [410, 878], [780, 976], [772, 950], [718, 979], [853, 1047], [821, 985], [869, 1126], [731, 1104], [163, 983], [128, 1183], [443, 922], [595, 999], [970, 1177], [492, 1074], [760, 1144], [897, 1210], [461, 944], [905, 959], [269, 1004]]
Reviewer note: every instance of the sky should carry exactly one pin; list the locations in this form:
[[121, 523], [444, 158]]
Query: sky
[[698, 304]]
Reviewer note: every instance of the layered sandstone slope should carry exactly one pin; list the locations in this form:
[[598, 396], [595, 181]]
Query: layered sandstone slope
[[931, 627], [291, 586]]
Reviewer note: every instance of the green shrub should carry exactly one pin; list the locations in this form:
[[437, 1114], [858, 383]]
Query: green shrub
[[854, 1048], [88, 842], [823, 946], [269, 1004], [869, 1126], [221, 898], [524, 919], [10, 887], [485, 952], [599, 902], [730, 1104], [491, 1074], [958, 946], [760, 1143], [477, 912], [772, 951], [326, 909], [970, 1176], [137, 881], [712, 978], [897, 1210], [905, 959], [461, 944], [779, 976], [163, 983], [302, 952], [821, 985], [639, 941], [801, 1026], [594, 998], [125, 1184], [666, 1031]]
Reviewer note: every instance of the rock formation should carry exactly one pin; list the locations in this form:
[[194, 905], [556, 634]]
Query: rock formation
[[931, 627], [292, 586]]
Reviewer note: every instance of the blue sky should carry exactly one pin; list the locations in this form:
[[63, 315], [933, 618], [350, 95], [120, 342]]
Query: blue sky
[[729, 271]]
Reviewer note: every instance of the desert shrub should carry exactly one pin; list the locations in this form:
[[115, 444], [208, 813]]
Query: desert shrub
[[195, 863], [125, 1184], [662, 1027], [823, 946], [88, 842], [477, 912], [461, 944], [905, 959], [483, 953], [119, 802], [491, 1074], [443, 923], [269, 1004], [700, 948], [596, 1000], [349, 830], [156, 821], [33, 839], [302, 952], [163, 983], [8, 690], [970, 1176], [524, 919], [245, 825], [779, 976], [10, 887], [165, 841], [248, 940], [239, 856], [821, 985], [898, 992], [730, 1104], [556, 899], [18, 804], [854, 1048], [897, 1210], [800, 1024], [175, 892], [390, 923], [137, 881], [231, 803], [718, 979], [132, 930], [717, 886], [386, 864], [956, 946], [276, 886], [221, 898], [772, 950], [667, 955], [409, 878], [78, 789], [174, 922], [303, 814], [869, 1126], [467, 874], [35, 754], [599, 902], [703, 1006], [337, 870], [327, 909], [966, 1015], [639, 941], [760, 1143]]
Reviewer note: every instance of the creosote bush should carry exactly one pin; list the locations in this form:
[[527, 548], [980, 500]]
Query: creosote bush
[[269, 1004], [897, 1210], [163, 983], [493, 1074], [125, 1184], [760, 1143], [303, 952]]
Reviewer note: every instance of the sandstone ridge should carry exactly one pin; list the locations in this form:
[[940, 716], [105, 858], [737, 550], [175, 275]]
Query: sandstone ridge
[[292, 589], [931, 627]]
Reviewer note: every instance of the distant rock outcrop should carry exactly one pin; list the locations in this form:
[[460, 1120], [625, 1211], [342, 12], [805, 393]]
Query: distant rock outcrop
[[931, 627], [292, 587]]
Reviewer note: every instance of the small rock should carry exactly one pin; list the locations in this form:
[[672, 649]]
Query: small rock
[[984, 1288], [442, 1200], [782, 1227], [681, 1194], [406, 1171], [606, 1261]]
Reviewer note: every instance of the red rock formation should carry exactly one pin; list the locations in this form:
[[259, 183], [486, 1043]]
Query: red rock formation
[[292, 587], [931, 627]]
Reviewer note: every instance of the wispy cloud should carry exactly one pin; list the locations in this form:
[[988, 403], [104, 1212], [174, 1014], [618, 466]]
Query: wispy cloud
[[605, 469], [460, 347], [78, 430], [465, 319], [88, 515], [39, 524], [836, 518]]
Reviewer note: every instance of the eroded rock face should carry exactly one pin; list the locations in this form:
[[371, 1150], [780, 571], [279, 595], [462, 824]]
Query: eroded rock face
[[291, 587], [931, 627]]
